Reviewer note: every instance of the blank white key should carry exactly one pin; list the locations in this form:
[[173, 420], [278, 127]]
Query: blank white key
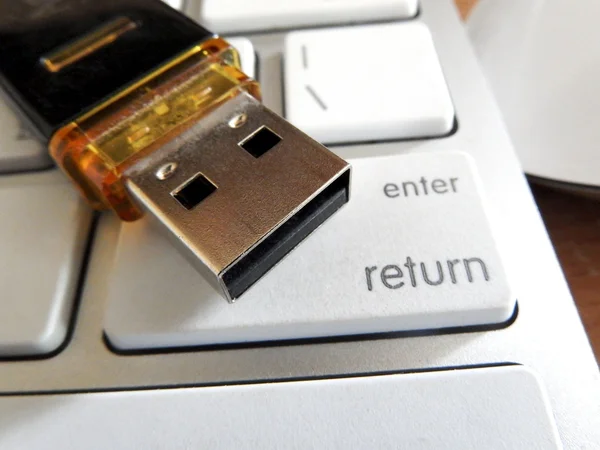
[[242, 15], [177, 4], [43, 231], [19, 150], [421, 257], [247, 55], [366, 83], [493, 409]]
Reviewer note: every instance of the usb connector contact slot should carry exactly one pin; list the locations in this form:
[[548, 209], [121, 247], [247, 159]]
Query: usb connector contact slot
[[242, 188]]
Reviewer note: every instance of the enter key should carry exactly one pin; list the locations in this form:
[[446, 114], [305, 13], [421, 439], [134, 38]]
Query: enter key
[[412, 250]]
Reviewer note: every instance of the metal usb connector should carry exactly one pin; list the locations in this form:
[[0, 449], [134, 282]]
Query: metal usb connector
[[150, 114], [238, 190]]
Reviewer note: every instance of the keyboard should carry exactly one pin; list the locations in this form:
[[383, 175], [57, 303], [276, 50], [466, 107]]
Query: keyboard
[[429, 313]]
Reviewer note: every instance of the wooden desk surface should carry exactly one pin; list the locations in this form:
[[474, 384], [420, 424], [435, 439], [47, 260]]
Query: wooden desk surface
[[574, 227]]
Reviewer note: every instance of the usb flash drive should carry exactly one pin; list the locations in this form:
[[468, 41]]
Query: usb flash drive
[[149, 113]]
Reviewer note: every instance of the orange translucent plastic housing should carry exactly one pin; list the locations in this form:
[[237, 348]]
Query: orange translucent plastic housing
[[98, 147]]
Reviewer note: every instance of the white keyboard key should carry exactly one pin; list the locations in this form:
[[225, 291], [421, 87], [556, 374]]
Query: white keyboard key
[[493, 409], [44, 229], [374, 82], [247, 55], [412, 250], [19, 150], [242, 15], [177, 4]]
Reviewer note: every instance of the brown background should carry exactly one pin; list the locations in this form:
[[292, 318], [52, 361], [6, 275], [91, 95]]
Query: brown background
[[574, 226]]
